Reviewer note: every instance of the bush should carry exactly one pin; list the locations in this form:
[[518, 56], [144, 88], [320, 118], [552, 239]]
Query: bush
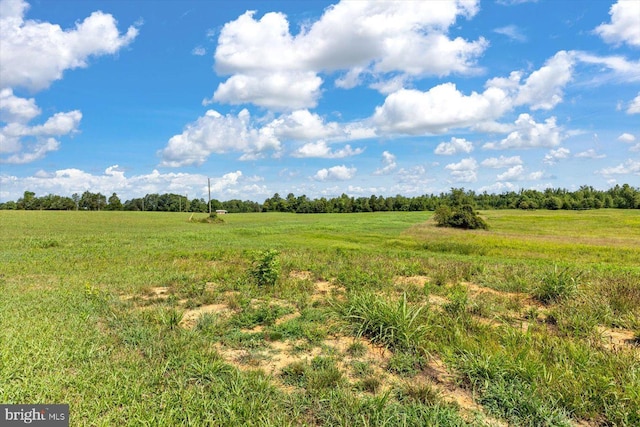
[[266, 268], [459, 217]]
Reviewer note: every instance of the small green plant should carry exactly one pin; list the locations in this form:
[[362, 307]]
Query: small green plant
[[266, 268], [458, 301], [369, 384], [425, 394], [356, 349], [361, 369], [556, 285]]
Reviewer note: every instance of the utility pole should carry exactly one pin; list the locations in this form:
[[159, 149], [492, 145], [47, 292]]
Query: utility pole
[[209, 181]]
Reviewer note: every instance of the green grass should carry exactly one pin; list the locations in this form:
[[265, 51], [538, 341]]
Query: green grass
[[82, 322]]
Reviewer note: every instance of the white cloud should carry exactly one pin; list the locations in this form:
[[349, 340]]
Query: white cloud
[[65, 182], [536, 175], [199, 51], [554, 155], [631, 166], [634, 105], [501, 162], [512, 174], [302, 125], [590, 154], [635, 148], [511, 31], [215, 133], [23, 143], [33, 54], [388, 162], [282, 90], [455, 146], [15, 109], [626, 137], [624, 26], [322, 150], [263, 57], [498, 187], [620, 68], [542, 90], [464, 171], [335, 173], [529, 134], [441, 108]]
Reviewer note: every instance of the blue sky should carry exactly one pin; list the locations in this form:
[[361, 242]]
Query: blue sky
[[317, 97]]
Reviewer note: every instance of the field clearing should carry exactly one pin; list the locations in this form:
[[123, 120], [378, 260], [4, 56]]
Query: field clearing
[[141, 318]]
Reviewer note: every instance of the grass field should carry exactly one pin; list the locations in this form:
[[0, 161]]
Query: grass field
[[374, 319]]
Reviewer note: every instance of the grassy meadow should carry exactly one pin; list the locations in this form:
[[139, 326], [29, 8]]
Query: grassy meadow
[[141, 318]]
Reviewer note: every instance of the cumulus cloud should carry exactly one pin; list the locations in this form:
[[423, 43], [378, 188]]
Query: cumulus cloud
[[631, 166], [335, 173], [590, 154], [21, 142], [501, 162], [554, 155], [514, 173], [33, 54], [529, 134], [302, 125], [322, 150], [278, 90], [215, 133], [455, 146], [634, 105], [542, 90], [439, 109], [626, 137], [114, 179], [388, 164], [264, 58], [624, 26], [464, 171]]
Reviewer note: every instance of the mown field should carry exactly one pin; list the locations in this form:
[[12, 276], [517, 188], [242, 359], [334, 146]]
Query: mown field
[[374, 319]]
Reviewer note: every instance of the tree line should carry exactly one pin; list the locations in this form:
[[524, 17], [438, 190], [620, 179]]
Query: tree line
[[586, 197]]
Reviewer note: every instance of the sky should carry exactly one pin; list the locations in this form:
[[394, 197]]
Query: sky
[[317, 98]]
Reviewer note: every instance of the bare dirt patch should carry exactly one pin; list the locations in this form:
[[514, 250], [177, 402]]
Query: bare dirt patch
[[614, 339], [190, 317]]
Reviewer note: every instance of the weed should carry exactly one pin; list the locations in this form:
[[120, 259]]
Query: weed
[[458, 301], [394, 326], [369, 384], [356, 349], [406, 364], [294, 374], [266, 268], [361, 369], [421, 393], [556, 285]]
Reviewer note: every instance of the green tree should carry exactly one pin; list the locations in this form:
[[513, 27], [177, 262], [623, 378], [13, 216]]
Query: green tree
[[114, 203]]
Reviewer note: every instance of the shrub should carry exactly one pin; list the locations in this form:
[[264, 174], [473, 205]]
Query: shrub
[[459, 217], [266, 268]]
